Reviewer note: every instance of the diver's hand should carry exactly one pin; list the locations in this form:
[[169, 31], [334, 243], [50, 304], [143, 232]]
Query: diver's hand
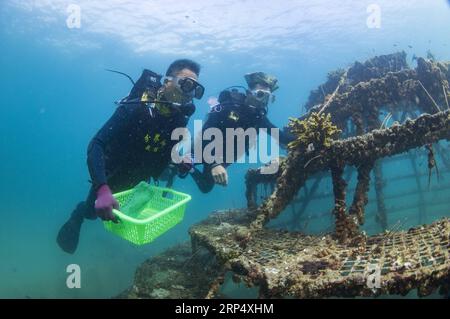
[[220, 175], [105, 203], [186, 166]]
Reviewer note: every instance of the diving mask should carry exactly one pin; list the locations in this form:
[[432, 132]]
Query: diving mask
[[188, 86], [259, 98]]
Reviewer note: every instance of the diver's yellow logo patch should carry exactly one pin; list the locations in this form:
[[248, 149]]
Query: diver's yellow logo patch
[[233, 116], [154, 144]]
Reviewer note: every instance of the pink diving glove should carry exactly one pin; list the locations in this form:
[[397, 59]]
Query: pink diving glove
[[105, 203]]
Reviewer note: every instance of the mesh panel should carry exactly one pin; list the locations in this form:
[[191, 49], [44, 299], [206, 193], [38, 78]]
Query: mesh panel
[[291, 264]]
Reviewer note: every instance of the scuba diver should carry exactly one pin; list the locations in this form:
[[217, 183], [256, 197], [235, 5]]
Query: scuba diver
[[135, 143], [237, 109]]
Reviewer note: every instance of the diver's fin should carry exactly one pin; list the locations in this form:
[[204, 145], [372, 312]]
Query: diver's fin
[[69, 234]]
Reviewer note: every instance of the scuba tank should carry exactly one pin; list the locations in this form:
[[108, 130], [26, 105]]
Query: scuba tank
[[145, 88], [149, 82], [240, 97], [233, 95]]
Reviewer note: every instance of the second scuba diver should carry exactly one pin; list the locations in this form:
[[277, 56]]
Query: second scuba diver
[[237, 109]]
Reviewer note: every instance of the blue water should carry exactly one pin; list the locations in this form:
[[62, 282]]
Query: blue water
[[55, 95]]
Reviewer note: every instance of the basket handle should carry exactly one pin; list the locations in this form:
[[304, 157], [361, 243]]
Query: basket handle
[[117, 213]]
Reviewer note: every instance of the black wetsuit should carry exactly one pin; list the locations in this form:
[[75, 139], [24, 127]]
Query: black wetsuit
[[134, 145], [233, 115]]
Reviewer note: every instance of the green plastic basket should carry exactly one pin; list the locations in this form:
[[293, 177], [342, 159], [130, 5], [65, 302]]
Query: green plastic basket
[[164, 209]]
